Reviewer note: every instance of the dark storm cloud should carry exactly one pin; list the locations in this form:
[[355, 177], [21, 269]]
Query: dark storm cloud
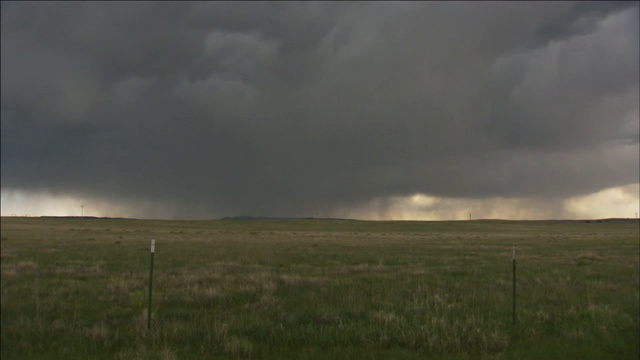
[[579, 20], [301, 108]]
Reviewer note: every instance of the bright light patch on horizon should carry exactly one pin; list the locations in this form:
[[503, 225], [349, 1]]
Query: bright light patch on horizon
[[19, 203], [622, 202], [619, 202]]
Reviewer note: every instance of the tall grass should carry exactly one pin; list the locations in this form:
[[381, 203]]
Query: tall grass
[[343, 289]]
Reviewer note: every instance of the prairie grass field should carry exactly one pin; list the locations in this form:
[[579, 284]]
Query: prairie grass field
[[328, 289]]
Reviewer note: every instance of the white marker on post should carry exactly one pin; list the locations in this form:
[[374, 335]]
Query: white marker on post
[[153, 246]]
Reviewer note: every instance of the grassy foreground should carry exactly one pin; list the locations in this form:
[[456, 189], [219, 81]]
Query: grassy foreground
[[78, 289]]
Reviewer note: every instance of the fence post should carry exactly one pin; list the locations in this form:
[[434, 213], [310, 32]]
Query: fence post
[[514, 284], [153, 250]]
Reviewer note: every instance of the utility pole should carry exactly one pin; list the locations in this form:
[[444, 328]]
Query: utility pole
[[82, 211]]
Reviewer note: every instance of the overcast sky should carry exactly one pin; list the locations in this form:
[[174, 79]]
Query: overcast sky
[[210, 109]]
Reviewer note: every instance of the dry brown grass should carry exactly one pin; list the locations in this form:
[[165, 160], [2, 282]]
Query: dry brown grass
[[384, 318], [97, 332], [238, 347], [588, 256], [26, 266]]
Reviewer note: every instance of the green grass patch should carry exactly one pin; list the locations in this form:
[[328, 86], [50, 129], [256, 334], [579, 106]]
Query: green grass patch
[[306, 289]]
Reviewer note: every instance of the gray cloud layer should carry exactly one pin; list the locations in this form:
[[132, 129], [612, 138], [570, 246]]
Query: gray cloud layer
[[272, 108]]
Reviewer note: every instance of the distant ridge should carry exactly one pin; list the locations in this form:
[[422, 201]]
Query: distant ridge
[[245, 217], [610, 220], [268, 218], [85, 217]]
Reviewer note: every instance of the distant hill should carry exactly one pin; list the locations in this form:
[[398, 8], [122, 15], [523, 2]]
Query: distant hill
[[610, 220], [268, 218], [245, 217], [85, 217]]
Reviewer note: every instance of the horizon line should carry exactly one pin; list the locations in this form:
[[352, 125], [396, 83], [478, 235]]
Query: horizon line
[[290, 218]]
